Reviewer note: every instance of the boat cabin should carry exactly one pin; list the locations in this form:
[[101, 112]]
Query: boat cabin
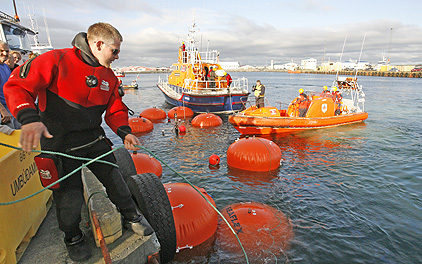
[[14, 33]]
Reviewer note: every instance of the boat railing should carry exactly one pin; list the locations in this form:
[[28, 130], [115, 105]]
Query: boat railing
[[219, 86], [194, 56]]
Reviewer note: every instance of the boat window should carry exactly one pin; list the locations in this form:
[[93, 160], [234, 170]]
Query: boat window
[[16, 38]]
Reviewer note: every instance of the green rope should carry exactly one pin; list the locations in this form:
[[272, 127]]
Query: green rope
[[203, 196], [61, 154], [63, 178]]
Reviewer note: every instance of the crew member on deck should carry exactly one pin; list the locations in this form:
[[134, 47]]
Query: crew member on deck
[[259, 92], [211, 77], [303, 102], [337, 100], [325, 92], [229, 80]]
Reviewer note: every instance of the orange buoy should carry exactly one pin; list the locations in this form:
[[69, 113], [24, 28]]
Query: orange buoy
[[153, 114], [206, 120], [194, 218], [214, 160], [254, 154], [140, 124], [181, 111], [146, 164], [182, 129], [260, 227]]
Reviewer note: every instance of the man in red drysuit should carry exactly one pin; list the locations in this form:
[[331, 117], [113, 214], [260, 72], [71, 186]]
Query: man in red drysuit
[[75, 86]]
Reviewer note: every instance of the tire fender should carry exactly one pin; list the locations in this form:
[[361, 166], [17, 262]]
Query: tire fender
[[151, 198]]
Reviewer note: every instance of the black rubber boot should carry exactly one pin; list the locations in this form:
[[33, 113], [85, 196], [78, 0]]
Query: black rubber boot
[[139, 226], [78, 248]]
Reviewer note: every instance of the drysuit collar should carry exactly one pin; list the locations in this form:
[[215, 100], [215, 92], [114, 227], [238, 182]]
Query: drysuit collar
[[80, 42]]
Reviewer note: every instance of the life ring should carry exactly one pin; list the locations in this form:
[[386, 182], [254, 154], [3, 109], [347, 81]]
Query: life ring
[[151, 197], [125, 162]]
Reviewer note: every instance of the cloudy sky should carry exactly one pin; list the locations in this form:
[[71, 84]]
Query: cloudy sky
[[250, 32]]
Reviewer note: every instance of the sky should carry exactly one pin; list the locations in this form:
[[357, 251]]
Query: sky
[[248, 32]]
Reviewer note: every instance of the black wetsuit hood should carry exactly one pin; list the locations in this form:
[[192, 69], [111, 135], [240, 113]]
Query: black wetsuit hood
[[80, 42]]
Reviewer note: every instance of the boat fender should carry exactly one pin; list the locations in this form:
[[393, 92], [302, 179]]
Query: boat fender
[[50, 169]]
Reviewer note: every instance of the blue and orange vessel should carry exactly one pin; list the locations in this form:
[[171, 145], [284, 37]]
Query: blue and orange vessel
[[199, 82]]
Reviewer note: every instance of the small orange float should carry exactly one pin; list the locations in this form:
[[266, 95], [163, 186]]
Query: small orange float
[[194, 218], [181, 111], [153, 114], [260, 227], [254, 154], [140, 124], [146, 164], [206, 120]]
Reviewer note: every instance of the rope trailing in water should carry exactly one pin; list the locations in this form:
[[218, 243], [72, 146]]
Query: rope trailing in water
[[64, 177], [203, 196]]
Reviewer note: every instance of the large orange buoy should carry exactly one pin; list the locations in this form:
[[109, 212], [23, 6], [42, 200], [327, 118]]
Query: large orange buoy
[[194, 218], [206, 120], [140, 124], [181, 111], [146, 164], [254, 154], [153, 114], [260, 227]]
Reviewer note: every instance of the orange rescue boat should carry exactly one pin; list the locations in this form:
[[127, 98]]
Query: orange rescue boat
[[321, 112]]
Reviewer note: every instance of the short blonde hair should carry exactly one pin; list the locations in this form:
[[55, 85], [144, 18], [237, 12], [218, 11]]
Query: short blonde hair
[[104, 32]]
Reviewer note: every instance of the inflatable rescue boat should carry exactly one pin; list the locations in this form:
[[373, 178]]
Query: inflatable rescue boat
[[323, 111]]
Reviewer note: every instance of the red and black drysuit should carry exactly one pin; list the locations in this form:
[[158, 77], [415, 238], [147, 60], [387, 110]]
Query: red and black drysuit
[[72, 112]]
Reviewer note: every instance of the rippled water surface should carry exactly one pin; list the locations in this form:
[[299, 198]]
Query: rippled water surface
[[353, 193]]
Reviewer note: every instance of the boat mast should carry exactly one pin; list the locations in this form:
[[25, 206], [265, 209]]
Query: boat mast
[[341, 55], [389, 48], [360, 55]]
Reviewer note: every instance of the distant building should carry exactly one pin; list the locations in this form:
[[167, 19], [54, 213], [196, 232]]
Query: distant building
[[330, 66], [308, 64], [247, 67], [230, 65], [286, 66], [354, 65]]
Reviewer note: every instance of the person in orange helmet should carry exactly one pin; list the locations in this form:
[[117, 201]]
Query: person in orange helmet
[[303, 102]]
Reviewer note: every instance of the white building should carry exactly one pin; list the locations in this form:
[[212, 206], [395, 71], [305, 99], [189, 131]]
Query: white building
[[354, 65], [286, 66], [308, 64], [230, 65]]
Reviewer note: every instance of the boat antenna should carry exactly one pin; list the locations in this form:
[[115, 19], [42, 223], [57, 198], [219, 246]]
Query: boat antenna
[[16, 12], [360, 55], [46, 28], [341, 55], [389, 46]]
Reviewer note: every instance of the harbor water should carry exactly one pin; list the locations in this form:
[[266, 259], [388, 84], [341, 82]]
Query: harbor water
[[353, 193]]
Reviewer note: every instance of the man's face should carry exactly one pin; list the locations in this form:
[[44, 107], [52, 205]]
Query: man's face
[[106, 53], [4, 53]]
